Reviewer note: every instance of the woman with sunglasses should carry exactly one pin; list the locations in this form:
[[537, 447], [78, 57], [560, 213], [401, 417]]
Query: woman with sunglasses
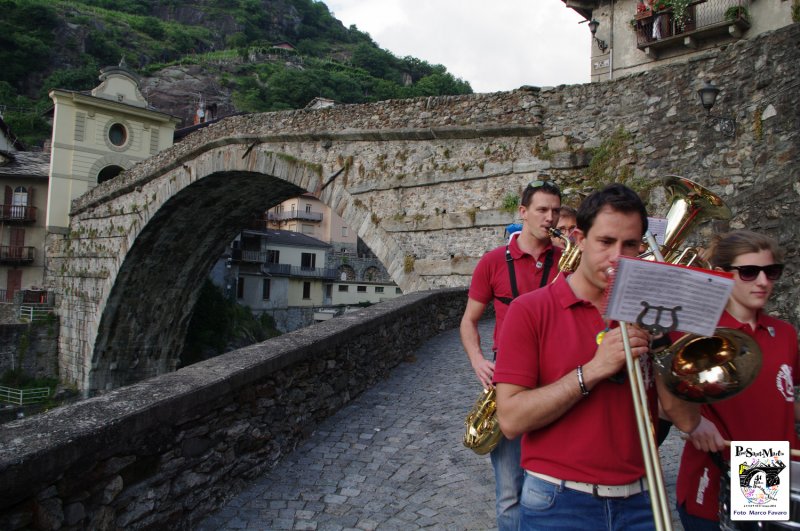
[[766, 409]]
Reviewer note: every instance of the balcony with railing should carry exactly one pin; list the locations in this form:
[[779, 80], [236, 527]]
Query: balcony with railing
[[660, 29], [16, 254], [294, 214], [20, 213], [299, 271]]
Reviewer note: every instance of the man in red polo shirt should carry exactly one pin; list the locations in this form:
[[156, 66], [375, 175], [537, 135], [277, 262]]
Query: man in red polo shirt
[[580, 446], [527, 262]]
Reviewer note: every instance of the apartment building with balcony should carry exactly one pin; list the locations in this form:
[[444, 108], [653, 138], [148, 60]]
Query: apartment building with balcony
[[632, 36], [301, 263], [23, 181]]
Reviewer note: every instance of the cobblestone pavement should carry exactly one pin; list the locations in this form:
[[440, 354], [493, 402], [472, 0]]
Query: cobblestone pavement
[[392, 459]]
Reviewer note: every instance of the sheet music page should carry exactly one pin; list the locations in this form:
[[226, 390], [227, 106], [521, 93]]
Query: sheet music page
[[658, 228], [654, 293]]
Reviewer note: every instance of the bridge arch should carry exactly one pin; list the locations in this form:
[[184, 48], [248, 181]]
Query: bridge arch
[[139, 249]]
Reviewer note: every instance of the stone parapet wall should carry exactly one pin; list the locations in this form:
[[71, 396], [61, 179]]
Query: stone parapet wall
[[164, 452]]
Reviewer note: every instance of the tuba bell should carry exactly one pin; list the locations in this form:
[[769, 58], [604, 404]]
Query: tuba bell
[[691, 204]]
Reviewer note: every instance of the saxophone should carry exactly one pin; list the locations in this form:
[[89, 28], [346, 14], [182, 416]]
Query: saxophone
[[483, 430]]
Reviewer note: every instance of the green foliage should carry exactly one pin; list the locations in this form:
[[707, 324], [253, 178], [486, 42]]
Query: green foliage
[[329, 60], [26, 37], [735, 13], [612, 162], [510, 203], [19, 380], [795, 10], [680, 12], [217, 325]]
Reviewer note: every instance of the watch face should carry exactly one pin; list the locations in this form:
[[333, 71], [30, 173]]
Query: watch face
[[117, 134]]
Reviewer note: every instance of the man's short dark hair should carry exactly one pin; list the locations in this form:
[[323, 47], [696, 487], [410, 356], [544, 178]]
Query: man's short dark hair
[[539, 185], [568, 211], [617, 196]]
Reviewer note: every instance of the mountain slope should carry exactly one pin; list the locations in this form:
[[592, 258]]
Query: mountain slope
[[221, 50]]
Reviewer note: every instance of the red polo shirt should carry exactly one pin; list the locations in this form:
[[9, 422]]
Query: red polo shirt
[[491, 278], [547, 334], [764, 411]]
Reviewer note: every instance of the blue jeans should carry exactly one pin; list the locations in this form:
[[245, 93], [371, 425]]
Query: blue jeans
[[548, 506], [508, 476]]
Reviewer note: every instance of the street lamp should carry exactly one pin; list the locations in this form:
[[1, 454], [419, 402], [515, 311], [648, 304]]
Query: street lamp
[[593, 28], [708, 97]]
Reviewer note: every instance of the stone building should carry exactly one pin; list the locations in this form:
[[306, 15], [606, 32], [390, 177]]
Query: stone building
[[632, 36]]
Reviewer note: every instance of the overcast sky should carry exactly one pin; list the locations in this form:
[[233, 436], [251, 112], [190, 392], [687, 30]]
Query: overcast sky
[[494, 45]]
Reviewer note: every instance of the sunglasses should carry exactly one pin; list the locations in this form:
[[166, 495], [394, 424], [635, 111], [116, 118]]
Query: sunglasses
[[540, 183], [749, 273]]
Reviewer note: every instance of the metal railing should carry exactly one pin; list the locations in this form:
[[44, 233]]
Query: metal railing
[[23, 397], [294, 214], [701, 17], [17, 213], [35, 312], [299, 271], [17, 254]]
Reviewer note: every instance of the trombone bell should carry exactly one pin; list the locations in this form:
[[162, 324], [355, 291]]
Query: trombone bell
[[708, 369]]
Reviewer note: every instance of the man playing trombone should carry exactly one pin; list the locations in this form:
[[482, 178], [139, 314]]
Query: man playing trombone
[[557, 385]]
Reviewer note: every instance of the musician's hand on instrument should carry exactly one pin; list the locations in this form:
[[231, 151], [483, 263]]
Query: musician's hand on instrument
[[610, 356], [706, 437], [484, 370]]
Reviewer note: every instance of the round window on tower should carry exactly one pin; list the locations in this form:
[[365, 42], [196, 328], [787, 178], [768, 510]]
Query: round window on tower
[[117, 134]]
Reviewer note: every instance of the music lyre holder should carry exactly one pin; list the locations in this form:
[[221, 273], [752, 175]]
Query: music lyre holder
[[655, 327]]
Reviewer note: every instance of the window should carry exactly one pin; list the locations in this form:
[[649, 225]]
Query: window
[[240, 288], [117, 134], [378, 289], [108, 173], [265, 287], [344, 232], [308, 208], [398, 291], [305, 228], [328, 290], [308, 261], [306, 290], [19, 202], [343, 288], [361, 289], [273, 256]]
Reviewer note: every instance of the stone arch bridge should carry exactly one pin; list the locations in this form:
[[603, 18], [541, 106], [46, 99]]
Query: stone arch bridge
[[424, 183]]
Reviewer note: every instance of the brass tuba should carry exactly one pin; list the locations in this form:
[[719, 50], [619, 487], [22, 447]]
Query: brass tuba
[[697, 368], [691, 204]]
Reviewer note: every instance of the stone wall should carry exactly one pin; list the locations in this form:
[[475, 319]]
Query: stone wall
[[32, 347], [166, 451]]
